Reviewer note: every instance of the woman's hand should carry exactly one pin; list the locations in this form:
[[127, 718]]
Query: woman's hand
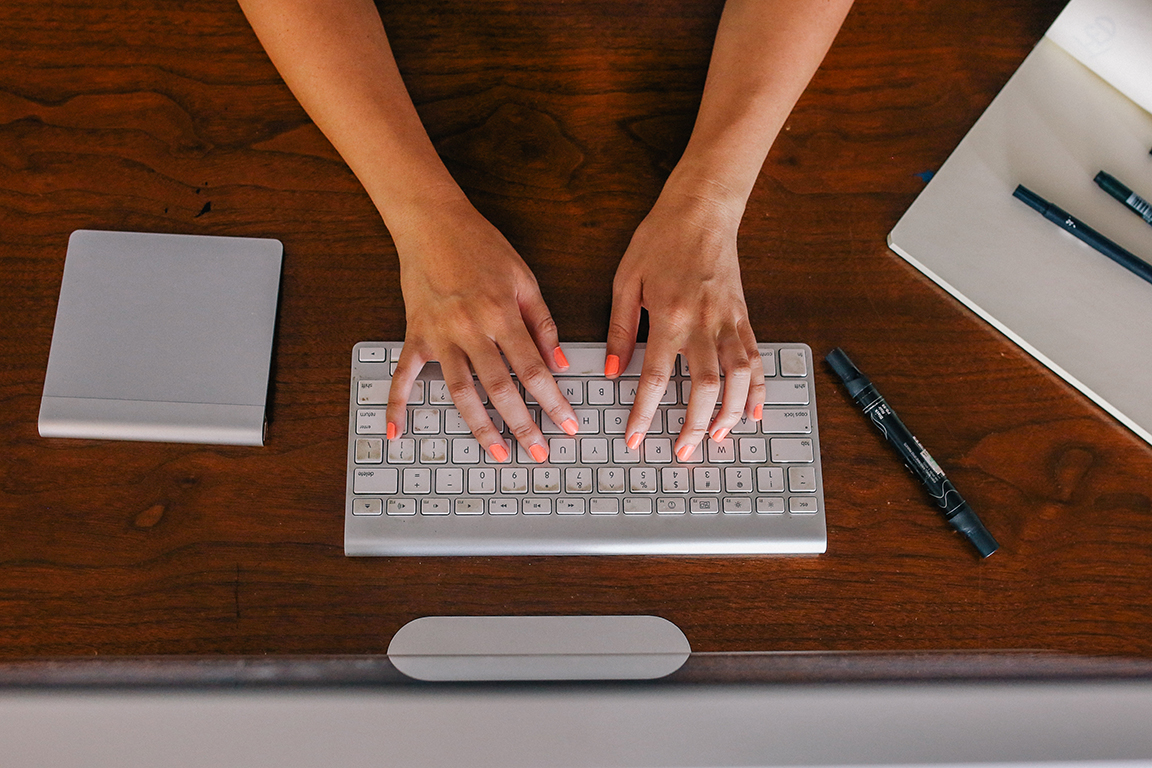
[[682, 267], [468, 298]]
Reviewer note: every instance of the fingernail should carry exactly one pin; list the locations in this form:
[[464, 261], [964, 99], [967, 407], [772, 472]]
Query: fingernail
[[758, 412], [561, 360], [498, 452], [570, 426], [685, 452], [539, 453], [719, 435], [611, 365], [634, 440], [392, 431]]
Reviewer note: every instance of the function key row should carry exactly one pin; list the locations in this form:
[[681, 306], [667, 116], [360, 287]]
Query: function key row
[[466, 506]]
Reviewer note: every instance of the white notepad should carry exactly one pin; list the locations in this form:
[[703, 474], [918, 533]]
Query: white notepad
[[162, 337], [1054, 125]]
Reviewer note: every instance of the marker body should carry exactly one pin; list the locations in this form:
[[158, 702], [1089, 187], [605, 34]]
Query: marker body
[[1071, 224], [1121, 192], [951, 504]]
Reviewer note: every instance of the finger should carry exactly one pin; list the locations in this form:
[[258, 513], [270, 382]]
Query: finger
[[542, 329], [737, 369], [458, 378], [622, 327], [537, 379], [706, 386], [407, 369], [756, 389], [504, 395], [659, 358]]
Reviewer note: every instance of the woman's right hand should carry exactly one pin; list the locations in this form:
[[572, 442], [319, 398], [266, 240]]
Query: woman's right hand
[[469, 298]]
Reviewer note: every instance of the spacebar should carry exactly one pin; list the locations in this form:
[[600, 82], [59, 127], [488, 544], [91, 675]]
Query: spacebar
[[583, 361]]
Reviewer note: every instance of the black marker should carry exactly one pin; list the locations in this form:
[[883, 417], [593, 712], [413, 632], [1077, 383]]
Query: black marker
[[1131, 200], [1066, 221], [952, 506]]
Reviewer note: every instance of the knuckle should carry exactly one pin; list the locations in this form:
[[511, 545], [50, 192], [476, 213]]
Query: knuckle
[[461, 390], [707, 381], [502, 390], [534, 373]]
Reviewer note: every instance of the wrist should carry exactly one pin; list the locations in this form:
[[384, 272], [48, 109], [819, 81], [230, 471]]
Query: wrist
[[698, 196]]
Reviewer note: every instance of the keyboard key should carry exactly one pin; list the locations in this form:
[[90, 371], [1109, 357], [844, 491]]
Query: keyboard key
[[786, 420], [706, 479], [793, 363], [802, 505], [737, 505], [449, 480], [594, 450], [769, 505], [569, 506], [381, 481], [536, 506], [401, 507], [482, 480], [674, 480], [503, 506], [610, 480], [578, 480], [802, 479], [466, 506], [514, 480], [642, 480], [753, 450], [369, 450], [371, 421], [704, 506], [770, 479], [402, 451], [601, 392], [435, 507], [417, 480], [786, 392], [367, 507], [792, 449], [738, 479], [637, 506], [545, 480], [562, 450], [604, 506]]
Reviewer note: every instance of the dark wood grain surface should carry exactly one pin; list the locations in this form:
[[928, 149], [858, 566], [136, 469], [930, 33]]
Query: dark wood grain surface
[[561, 121]]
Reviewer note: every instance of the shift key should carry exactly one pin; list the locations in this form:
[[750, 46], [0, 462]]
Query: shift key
[[784, 392]]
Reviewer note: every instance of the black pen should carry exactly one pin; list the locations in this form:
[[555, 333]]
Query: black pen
[[952, 505], [1121, 192], [1069, 223]]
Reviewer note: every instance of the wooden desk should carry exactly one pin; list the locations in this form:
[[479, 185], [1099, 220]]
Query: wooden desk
[[560, 121]]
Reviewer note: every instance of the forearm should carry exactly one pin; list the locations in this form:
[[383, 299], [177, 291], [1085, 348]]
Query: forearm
[[765, 53], [335, 57]]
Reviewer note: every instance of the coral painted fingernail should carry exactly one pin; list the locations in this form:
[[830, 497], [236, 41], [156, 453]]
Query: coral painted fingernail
[[570, 426], [758, 412], [539, 453], [634, 440], [719, 435], [392, 431], [685, 452], [561, 360], [611, 365], [498, 452]]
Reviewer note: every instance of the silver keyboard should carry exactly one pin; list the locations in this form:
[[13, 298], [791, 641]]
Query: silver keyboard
[[434, 491]]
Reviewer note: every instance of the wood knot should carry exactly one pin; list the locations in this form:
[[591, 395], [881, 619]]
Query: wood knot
[[149, 517]]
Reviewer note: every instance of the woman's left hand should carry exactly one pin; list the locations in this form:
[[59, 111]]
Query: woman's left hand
[[682, 267]]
